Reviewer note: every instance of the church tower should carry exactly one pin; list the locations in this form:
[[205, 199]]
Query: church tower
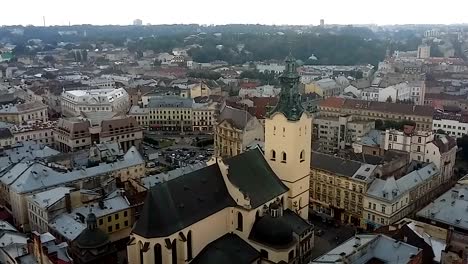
[[288, 136]]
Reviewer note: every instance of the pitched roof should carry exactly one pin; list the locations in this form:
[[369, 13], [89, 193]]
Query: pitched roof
[[5, 133], [334, 164], [183, 201], [237, 117], [444, 143], [228, 249], [355, 104], [335, 102], [251, 173]]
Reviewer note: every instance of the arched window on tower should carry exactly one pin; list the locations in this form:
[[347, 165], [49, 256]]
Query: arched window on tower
[[273, 155], [300, 131], [240, 221], [283, 157], [302, 156], [174, 251], [157, 254], [141, 253], [189, 246], [274, 130]]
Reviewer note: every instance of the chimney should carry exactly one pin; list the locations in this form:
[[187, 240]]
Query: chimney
[[454, 194], [68, 202]]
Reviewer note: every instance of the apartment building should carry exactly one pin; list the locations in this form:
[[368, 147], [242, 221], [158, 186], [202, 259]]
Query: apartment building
[[236, 129], [23, 112], [421, 115], [338, 186], [36, 131], [390, 199], [27, 178], [455, 125], [113, 214], [170, 113], [73, 134], [425, 146], [336, 133]]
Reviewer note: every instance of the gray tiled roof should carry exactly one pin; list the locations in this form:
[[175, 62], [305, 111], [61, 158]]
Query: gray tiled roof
[[170, 102], [237, 117]]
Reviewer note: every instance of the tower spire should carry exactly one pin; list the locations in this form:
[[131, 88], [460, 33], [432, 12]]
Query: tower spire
[[290, 100]]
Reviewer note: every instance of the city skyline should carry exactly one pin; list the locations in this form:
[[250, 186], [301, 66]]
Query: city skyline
[[208, 12]]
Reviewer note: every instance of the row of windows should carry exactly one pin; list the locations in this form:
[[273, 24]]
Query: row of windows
[[450, 126], [284, 156]]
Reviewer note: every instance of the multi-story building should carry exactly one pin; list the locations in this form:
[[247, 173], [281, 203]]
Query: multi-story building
[[113, 214], [176, 114], [73, 134], [36, 131], [204, 116], [338, 187], [325, 88], [424, 51], [368, 110], [75, 102], [20, 113], [170, 113], [335, 133], [395, 93], [455, 125], [390, 199], [43, 207], [235, 130], [425, 146], [27, 178]]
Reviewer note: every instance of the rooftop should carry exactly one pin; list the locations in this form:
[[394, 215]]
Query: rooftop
[[363, 249], [49, 197], [395, 108], [390, 188], [450, 208]]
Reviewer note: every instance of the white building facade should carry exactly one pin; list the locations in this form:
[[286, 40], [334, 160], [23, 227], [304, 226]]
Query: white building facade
[[95, 100]]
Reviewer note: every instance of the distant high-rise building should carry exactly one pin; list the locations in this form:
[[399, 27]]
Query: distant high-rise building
[[137, 22], [424, 51], [322, 22]]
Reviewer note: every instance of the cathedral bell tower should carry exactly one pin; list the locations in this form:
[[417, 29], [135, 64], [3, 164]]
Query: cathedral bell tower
[[288, 141]]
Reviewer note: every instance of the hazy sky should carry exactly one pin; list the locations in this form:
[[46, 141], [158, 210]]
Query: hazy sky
[[123, 12]]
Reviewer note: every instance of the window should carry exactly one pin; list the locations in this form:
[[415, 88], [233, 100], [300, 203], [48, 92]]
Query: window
[[302, 156], [125, 213], [157, 254], [283, 157], [109, 218], [116, 216], [419, 139], [370, 204], [174, 251], [273, 155], [109, 229], [240, 222], [419, 149], [126, 223], [383, 208], [101, 221], [189, 245], [117, 226], [373, 206]]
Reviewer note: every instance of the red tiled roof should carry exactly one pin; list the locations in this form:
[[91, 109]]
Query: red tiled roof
[[443, 96], [335, 102]]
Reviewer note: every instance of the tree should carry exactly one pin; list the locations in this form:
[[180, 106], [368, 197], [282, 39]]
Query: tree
[[389, 99], [49, 59]]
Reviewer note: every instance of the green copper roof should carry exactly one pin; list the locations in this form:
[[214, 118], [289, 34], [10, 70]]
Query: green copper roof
[[290, 100]]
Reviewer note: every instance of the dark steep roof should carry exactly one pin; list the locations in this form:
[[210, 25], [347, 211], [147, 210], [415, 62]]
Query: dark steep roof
[[237, 117], [5, 133], [183, 201], [334, 164], [228, 249], [252, 174], [274, 232]]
